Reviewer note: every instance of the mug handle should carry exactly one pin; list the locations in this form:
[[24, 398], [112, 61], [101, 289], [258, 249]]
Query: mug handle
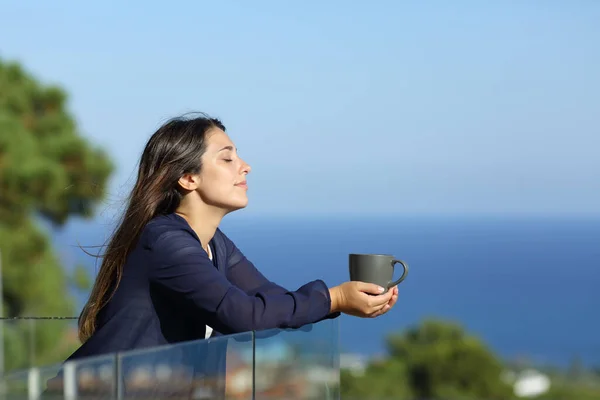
[[404, 273]]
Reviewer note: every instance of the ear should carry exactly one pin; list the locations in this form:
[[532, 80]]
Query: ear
[[189, 182]]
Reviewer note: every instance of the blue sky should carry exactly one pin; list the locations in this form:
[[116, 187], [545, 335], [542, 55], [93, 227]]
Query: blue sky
[[417, 107]]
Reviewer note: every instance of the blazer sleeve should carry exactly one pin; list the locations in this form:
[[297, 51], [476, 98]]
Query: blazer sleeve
[[181, 265], [243, 274]]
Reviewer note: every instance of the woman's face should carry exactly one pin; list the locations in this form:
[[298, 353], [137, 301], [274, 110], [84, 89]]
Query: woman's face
[[222, 179]]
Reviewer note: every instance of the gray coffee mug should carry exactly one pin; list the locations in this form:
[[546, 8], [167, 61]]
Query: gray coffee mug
[[376, 268]]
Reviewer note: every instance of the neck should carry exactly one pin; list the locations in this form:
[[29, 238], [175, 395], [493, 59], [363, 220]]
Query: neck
[[203, 219]]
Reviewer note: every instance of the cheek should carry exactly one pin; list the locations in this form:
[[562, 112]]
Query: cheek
[[217, 186]]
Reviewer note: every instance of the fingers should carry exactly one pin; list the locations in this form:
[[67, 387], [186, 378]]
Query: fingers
[[382, 299], [382, 311], [386, 307], [394, 298], [374, 304], [369, 288]]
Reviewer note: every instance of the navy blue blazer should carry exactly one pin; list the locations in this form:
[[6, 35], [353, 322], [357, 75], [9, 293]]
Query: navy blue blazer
[[170, 290]]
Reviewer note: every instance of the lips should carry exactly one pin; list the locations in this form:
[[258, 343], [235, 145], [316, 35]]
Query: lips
[[243, 184]]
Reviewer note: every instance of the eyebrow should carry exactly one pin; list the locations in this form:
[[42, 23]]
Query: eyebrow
[[227, 148]]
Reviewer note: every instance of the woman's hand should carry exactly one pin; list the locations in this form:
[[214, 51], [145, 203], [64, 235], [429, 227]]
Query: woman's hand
[[390, 304], [362, 299]]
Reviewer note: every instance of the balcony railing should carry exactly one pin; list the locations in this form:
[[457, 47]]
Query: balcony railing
[[32, 341], [273, 364]]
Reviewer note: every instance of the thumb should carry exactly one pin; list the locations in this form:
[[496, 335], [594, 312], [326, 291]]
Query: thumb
[[369, 288]]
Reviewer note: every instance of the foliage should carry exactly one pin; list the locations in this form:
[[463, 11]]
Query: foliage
[[80, 278], [435, 360], [576, 382], [47, 171], [383, 379], [443, 361], [439, 360]]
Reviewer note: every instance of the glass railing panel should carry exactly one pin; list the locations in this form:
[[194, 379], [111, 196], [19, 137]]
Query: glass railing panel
[[37, 341], [86, 378], [216, 368], [49, 385], [15, 385], [32, 383], [298, 364], [274, 364]]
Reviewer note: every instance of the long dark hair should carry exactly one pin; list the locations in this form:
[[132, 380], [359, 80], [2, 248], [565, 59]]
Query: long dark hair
[[173, 150]]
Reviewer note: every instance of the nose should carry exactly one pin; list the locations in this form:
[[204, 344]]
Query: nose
[[246, 168]]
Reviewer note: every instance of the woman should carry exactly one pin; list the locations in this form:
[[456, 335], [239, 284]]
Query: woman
[[169, 274]]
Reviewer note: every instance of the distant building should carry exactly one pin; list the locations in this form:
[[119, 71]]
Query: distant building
[[355, 363], [528, 383]]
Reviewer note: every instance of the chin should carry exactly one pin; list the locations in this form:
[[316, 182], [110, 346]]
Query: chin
[[237, 206]]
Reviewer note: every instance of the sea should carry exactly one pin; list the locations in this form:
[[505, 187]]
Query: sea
[[527, 286]]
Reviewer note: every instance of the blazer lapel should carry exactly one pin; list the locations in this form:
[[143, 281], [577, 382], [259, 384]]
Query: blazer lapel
[[221, 252]]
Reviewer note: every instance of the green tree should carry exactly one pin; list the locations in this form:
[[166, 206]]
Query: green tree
[[564, 388], [382, 380], [443, 361], [576, 369], [47, 171], [434, 360]]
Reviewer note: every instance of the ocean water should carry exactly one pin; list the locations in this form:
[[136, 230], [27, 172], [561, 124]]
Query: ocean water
[[528, 286]]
